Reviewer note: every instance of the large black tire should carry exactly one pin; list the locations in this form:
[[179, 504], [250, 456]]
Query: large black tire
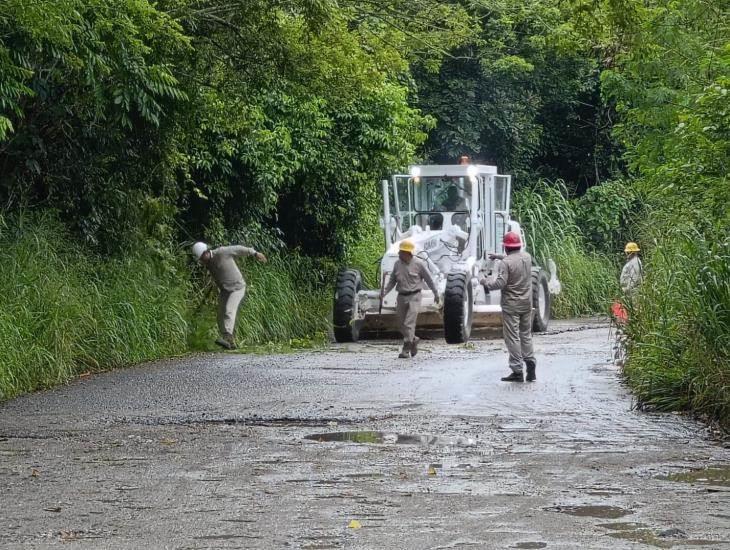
[[540, 300], [349, 283], [458, 308]]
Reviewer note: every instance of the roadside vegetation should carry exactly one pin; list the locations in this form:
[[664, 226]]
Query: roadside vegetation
[[130, 129]]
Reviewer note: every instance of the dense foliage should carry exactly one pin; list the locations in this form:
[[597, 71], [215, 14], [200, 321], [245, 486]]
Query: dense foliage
[[671, 82]]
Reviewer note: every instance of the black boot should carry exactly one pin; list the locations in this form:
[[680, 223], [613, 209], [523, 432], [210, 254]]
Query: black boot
[[414, 346], [406, 351], [514, 377], [531, 371]]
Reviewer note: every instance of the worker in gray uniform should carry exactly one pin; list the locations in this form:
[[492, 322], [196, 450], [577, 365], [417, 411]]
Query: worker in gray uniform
[[514, 279], [632, 272], [408, 275], [221, 262]]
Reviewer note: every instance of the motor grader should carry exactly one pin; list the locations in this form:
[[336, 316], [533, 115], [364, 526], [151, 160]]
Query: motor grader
[[456, 215]]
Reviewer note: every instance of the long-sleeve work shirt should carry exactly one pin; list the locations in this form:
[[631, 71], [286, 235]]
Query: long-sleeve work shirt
[[631, 275], [223, 268], [514, 279], [409, 277]]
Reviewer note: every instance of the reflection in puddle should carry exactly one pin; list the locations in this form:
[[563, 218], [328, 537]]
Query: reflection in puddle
[[623, 526], [610, 512], [711, 476], [384, 437]]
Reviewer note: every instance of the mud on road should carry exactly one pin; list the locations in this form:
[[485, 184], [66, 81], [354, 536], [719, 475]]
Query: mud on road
[[354, 448]]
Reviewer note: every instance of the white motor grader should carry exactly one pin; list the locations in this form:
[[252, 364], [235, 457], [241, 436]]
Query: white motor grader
[[456, 215]]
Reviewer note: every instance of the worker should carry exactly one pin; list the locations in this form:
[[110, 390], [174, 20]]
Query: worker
[[632, 273], [408, 275], [453, 202], [221, 262], [514, 279]]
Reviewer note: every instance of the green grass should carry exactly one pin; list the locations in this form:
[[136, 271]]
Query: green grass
[[679, 329], [64, 310], [284, 308], [589, 279]]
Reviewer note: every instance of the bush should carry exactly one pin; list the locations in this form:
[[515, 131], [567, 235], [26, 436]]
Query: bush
[[607, 216], [589, 279]]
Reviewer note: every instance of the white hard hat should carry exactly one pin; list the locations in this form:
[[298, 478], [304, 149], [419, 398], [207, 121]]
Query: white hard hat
[[198, 249]]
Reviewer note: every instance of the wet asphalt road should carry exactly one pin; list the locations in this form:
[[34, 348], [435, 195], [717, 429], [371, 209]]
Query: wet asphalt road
[[212, 452]]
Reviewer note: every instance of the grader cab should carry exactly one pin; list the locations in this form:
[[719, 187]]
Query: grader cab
[[456, 215]]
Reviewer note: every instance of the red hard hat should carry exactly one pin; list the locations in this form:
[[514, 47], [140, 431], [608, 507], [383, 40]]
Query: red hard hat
[[512, 240]]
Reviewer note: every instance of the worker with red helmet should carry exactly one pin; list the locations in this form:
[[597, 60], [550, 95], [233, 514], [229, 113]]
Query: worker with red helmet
[[514, 278]]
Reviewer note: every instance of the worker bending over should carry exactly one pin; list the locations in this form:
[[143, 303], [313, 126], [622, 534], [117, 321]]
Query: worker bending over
[[221, 262]]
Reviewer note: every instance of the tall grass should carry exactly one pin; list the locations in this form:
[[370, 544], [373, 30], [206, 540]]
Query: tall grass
[[285, 304], [589, 279], [679, 329], [63, 310]]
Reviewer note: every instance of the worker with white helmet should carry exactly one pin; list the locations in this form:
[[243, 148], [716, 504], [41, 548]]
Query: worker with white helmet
[[408, 276], [632, 273], [221, 262]]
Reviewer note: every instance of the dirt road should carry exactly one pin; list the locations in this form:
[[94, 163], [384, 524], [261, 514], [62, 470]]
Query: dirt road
[[353, 448]]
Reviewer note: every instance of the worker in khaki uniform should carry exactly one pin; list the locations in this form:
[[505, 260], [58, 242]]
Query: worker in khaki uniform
[[221, 262], [514, 279], [407, 277]]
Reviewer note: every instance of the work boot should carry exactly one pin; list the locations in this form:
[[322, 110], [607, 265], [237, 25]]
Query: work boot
[[530, 371], [226, 341], [406, 351], [414, 346], [514, 377]]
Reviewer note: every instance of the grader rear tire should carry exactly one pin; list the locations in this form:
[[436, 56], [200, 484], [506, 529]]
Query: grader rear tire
[[540, 300], [458, 308], [349, 283]]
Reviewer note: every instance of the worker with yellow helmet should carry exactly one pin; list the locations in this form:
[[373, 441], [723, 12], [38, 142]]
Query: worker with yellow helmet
[[632, 273], [408, 276]]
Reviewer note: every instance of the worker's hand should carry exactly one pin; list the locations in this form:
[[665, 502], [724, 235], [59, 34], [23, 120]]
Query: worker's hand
[[260, 257], [495, 256], [436, 299]]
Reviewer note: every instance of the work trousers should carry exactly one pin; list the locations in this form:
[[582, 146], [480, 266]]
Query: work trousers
[[407, 309], [518, 337], [228, 302]]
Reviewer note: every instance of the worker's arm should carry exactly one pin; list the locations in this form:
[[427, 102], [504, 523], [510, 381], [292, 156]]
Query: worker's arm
[[391, 283], [497, 282], [238, 251], [426, 274]]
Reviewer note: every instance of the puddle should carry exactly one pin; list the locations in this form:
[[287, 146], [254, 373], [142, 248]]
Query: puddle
[[390, 438], [711, 476], [643, 537], [531, 545], [623, 526], [609, 512]]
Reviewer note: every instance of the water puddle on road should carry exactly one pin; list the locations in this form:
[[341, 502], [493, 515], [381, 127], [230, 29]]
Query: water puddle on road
[[711, 476], [390, 438], [597, 511]]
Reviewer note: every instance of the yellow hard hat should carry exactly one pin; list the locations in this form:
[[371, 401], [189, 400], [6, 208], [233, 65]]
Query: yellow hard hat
[[407, 246], [631, 247]]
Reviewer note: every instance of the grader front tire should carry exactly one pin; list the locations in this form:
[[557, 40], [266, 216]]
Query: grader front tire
[[458, 308], [349, 283]]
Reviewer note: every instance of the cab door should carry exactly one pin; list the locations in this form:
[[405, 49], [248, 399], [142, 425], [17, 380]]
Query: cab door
[[501, 189]]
